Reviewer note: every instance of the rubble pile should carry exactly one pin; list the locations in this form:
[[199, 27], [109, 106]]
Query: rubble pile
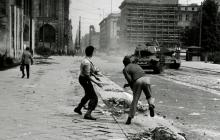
[[159, 133], [164, 133], [121, 106]]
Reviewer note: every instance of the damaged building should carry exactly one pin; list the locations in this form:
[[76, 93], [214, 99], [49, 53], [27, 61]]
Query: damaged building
[[52, 25], [109, 32], [14, 30], [92, 38], [144, 20], [33, 23]]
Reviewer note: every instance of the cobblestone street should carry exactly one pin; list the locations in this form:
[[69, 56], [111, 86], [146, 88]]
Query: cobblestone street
[[41, 108]]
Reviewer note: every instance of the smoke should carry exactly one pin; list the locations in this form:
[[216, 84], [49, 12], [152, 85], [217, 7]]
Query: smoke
[[119, 48]]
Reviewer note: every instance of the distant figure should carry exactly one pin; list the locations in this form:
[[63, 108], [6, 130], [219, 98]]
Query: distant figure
[[87, 70], [137, 81], [26, 61]]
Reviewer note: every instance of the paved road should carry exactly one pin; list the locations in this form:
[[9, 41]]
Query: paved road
[[41, 108], [195, 111]]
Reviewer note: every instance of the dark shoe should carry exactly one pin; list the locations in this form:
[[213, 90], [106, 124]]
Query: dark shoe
[[89, 117], [77, 110], [151, 108], [22, 76], [128, 121]]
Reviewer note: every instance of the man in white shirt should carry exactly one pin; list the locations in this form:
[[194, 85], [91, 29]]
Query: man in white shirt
[[87, 69]]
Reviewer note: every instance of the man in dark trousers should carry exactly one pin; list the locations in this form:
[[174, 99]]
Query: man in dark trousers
[[87, 69], [137, 81], [26, 61]]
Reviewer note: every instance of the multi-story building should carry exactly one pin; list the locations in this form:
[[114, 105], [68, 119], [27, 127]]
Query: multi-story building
[[109, 32], [15, 29], [187, 14], [144, 20], [52, 24]]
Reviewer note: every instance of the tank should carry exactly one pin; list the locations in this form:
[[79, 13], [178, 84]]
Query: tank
[[170, 57], [147, 57]]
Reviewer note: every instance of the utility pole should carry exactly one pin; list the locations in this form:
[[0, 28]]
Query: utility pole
[[200, 27], [79, 32], [111, 6], [30, 15]]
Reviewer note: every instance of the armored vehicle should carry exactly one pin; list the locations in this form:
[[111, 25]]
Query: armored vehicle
[[170, 57], [148, 58]]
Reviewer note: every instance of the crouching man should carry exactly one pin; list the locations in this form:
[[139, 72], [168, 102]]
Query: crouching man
[[138, 81]]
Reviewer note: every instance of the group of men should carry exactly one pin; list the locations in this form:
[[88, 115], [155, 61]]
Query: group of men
[[133, 73]]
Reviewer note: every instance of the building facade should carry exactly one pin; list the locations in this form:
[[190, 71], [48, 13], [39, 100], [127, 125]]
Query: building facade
[[144, 20], [52, 25], [92, 38], [15, 29], [109, 32], [188, 14]]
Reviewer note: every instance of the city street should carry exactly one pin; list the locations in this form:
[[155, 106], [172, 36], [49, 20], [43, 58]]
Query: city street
[[189, 96], [41, 108], [55, 35]]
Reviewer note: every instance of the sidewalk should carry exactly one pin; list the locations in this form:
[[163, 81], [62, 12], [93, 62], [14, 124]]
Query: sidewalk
[[41, 108]]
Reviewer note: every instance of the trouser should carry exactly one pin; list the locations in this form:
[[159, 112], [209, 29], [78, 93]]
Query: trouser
[[140, 84], [90, 94], [27, 66]]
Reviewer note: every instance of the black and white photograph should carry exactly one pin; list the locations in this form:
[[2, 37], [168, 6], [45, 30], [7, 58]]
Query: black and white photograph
[[109, 69]]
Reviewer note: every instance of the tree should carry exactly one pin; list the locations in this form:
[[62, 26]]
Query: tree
[[207, 21], [190, 36], [209, 34]]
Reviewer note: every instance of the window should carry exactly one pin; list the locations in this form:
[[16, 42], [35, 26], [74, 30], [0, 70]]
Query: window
[[47, 8], [187, 17], [26, 7], [180, 17]]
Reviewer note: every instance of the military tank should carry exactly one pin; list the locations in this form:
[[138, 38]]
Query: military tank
[[147, 57], [170, 57]]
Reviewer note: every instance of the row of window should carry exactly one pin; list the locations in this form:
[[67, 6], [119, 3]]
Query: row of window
[[152, 15], [48, 8], [162, 22], [152, 33]]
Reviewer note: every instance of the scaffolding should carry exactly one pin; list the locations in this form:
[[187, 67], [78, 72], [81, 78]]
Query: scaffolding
[[142, 22]]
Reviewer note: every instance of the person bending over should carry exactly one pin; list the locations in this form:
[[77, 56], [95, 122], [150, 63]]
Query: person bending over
[[137, 81]]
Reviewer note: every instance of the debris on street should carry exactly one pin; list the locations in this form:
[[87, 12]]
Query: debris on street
[[159, 133]]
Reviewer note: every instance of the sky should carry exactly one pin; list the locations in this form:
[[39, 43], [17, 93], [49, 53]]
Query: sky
[[93, 11]]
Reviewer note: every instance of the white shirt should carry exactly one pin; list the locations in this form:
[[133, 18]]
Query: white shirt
[[87, 67]]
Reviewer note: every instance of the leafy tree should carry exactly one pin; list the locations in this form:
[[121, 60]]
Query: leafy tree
[[209, 39], [209, 28], [190, 36]]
